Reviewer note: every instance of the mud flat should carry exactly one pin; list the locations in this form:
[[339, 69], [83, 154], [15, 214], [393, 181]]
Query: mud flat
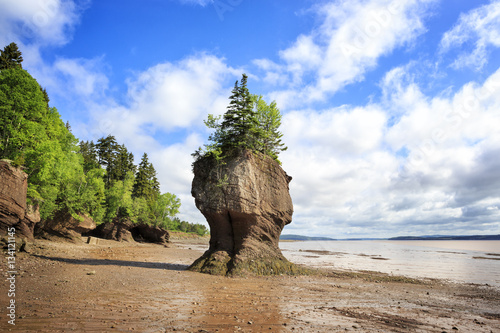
[[118, 287]]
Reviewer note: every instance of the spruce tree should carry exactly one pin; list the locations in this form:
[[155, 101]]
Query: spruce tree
[[10, 57], [89, 154], [146, 184], [122, 163], [240, 126], [107, 151]]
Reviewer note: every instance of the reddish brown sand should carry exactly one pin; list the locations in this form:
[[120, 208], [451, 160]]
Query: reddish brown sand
[[115, 287]]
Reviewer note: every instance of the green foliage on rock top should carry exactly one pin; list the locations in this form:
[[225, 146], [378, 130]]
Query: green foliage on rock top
[[248, 124]]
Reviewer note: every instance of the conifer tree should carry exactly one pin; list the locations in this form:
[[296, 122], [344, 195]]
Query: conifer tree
[[146, 184], [10, 57], [239, 127], [107, 151], [122, 163], [89, 153], [249, 123]]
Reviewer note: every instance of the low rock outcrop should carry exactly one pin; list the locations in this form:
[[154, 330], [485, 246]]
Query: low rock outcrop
[[14, 211], [65, 227], [246, 202], [118, 230], [123, 230], [150, 234]]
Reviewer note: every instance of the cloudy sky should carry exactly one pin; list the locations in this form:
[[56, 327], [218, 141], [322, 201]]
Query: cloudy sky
[[391, 108]]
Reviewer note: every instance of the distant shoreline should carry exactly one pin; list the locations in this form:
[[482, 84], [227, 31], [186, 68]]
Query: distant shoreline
[[398, 238]]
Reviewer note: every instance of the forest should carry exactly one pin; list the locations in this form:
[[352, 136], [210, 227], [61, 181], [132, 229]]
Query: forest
[[98, 179]]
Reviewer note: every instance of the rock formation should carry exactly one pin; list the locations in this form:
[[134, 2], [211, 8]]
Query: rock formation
[[65, 227], [246, 202], [14, 211], [123, 230], [150, 234]]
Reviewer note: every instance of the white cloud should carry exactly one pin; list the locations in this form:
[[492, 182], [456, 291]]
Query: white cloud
[[83, 76], [202, 3], [353, 35], [171, 95], [339, 131], [480, 26], [434, 169], [38, 22]]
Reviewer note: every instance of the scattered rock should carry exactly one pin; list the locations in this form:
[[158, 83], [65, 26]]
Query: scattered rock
[[25, 247]]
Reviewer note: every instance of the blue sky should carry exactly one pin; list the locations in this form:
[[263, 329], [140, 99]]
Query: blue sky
[[391, 108]]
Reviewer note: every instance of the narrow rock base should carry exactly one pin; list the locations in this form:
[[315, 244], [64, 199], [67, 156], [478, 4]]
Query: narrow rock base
[[221, 263]]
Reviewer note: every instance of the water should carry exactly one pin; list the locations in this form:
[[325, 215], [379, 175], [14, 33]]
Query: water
[[459, 261]]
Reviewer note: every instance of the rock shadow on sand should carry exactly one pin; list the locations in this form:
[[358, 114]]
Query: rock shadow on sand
[[113, 262]]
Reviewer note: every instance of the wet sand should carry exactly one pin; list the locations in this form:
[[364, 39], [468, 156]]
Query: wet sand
[[117, 287]]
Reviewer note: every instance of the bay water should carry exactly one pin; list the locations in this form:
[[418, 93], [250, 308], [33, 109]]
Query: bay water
[[458, 261]]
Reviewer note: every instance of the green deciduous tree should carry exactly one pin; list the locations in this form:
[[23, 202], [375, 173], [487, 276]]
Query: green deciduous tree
[[68, 176], [164, 209], [23, 113], [119, 202], [33, 135], [269, 120]]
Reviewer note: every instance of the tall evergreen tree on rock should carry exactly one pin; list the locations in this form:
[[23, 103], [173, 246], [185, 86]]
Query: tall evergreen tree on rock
[[248, 124], [240, 127]]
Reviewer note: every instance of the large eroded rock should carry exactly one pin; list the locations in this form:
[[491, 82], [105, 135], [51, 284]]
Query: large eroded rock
[[14, 211], [246, 202]]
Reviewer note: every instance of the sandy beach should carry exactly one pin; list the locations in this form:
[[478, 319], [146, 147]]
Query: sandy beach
[[117, 287]]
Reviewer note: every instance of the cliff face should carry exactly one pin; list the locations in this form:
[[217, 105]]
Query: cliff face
[[14, 212], [246, 202]]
